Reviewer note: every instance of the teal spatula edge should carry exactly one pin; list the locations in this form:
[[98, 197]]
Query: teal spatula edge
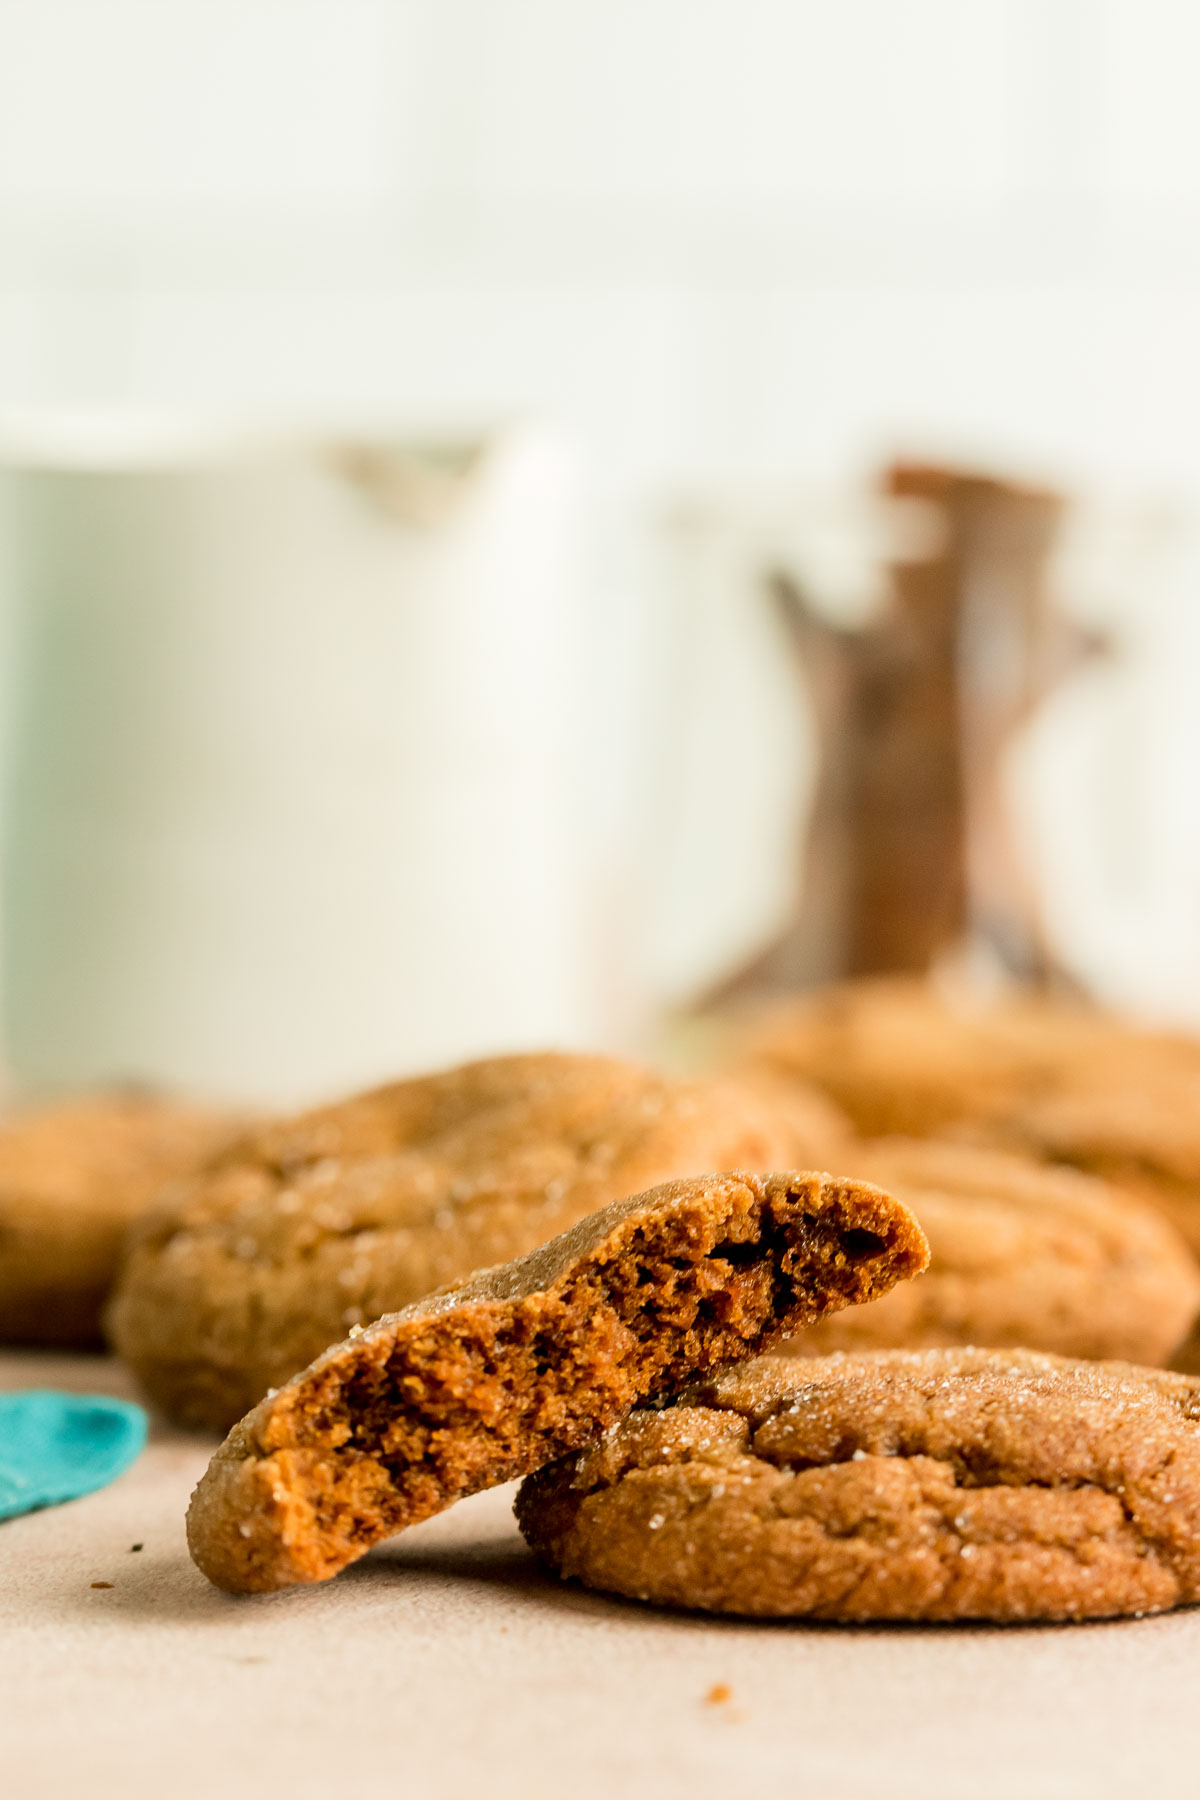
[[56, 1447]]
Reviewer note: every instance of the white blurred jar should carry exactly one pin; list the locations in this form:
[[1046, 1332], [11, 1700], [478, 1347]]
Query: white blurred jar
[[290, 753]]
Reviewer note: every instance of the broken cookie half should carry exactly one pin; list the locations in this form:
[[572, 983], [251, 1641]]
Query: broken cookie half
[[528, 1361]]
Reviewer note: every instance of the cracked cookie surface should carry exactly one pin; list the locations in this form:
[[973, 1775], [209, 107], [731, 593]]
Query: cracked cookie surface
[[315, 1224], [1021, 1255], [524, 1362], [901, 1485]]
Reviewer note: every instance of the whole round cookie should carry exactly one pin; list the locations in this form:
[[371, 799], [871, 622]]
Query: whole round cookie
[[73, 1177], [319, 1223], [905, 1485], [1020, 1255]]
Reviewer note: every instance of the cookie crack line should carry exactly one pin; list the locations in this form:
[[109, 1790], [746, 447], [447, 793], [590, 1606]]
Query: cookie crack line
[[530, 1360], [710, 1492]]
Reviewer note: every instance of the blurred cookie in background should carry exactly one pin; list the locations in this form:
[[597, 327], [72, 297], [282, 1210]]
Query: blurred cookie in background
[[818, 1133], [1050, 1078], [73, 1178], [1020, 1255], [900, 1057], [322, 1222], [1132, 1117]]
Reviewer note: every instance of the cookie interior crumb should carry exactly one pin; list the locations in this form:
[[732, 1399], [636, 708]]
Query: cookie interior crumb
[[533, 1358]]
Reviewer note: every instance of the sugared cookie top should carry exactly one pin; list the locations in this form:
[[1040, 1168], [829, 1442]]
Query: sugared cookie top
[[915, 1485]]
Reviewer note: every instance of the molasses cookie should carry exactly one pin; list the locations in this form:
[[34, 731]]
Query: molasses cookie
[[1132, 1118], [525, 1362], [318, 1223], [903, 1058], [1020, 1254], [904, 1485], [1051, 1078], [72, 1179]]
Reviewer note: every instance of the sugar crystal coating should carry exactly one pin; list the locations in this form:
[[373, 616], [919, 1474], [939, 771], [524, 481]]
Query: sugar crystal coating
[[904, 1485]]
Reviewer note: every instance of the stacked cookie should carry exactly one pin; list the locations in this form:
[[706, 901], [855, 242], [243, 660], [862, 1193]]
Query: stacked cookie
[[1054, 1079], [1022, 1256], [875, 1462], [532, 1360], [1005, 1485]]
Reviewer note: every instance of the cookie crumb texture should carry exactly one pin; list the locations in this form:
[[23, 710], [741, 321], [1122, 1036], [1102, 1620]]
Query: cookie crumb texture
[[922, 1485], [530, 1360], [317, 1223]]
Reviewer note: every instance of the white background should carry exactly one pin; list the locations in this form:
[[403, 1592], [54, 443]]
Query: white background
[[730, 246]]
